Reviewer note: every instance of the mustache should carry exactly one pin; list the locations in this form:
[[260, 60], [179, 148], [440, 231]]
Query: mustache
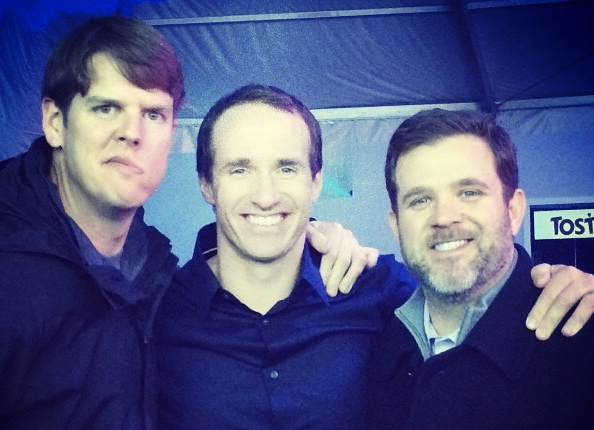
[[444, 235]]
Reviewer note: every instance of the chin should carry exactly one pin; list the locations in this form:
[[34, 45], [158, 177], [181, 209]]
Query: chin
[[265, 257], [128, 205], [454, 289]]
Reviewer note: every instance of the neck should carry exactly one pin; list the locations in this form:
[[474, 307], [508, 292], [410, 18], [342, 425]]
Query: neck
[[445, 317], [107, 235], [258, 285], [107, 228]]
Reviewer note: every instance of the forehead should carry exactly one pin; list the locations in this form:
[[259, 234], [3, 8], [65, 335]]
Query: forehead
[[447, 161], [103, 67], [108, 81], [252, 129]]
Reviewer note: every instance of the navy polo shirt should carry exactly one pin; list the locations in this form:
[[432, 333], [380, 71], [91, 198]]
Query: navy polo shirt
[[303, 365]]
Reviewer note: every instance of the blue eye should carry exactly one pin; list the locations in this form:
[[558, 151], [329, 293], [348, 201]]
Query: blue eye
[[419, 202], [106, 109], [471, 194], [155, 116], [288, 169]]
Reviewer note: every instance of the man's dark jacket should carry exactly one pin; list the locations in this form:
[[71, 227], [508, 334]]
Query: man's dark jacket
[[76, 346], [500, 377]]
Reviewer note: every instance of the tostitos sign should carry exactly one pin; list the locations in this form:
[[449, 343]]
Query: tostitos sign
[[563, 224]]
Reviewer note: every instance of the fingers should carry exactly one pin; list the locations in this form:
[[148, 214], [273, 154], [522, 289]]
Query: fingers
[[371, 255], [352, 260], [343, 258], [335, 243], [326, 238], [557, 308], [566, 287], [317, 238], [552, 288], [341, 263], [361, 258], [541, 274], [580, 316], [358, 263]]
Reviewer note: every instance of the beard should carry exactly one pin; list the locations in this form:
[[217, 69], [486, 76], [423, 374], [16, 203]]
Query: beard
[[454, 282]]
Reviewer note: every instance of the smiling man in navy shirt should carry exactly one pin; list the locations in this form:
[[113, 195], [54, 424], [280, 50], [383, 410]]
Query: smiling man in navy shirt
[[247, 336]]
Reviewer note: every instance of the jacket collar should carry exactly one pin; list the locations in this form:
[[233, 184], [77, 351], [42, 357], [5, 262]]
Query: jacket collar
[[146, 258], [509, 344]]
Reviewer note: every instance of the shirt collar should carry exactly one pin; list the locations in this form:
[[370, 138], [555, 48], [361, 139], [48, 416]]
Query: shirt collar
[[439, 343], [309, 272], [198, 276]]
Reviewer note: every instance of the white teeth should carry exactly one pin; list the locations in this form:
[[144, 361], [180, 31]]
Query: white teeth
[[264, 220], [448, 246]]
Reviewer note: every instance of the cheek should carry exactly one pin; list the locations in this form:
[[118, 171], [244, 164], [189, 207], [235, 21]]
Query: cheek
[[76, 158], [226, 197], [408, 238], [300, 191], [490, 219], [410, 230]]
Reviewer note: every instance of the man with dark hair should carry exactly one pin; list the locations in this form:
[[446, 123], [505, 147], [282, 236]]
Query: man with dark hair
[[247, 337], [81, 274], [457, 355]]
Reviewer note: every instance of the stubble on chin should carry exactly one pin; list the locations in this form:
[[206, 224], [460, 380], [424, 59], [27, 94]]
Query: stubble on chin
[[444, 285], [456, 283]]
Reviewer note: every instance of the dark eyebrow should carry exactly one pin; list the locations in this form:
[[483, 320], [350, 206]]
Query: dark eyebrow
[[414, 192], [473, 182], [101, 100], [288, 162], [92, 100], [163, 109], [242, 162]]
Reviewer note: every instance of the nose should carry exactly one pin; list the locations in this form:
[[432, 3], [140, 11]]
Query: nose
[[130, 130], [266, 194], [446, 211]]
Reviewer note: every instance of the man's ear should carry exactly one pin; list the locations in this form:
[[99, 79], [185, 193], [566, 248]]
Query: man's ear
[[318, 182], [207, 190], [52, 121], [393, 221], [516, 208]]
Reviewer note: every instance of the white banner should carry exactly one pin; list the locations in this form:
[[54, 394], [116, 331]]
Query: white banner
[[564, 224]]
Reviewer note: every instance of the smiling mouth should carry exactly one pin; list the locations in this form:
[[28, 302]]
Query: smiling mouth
[[265, 221], [450, 246]]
